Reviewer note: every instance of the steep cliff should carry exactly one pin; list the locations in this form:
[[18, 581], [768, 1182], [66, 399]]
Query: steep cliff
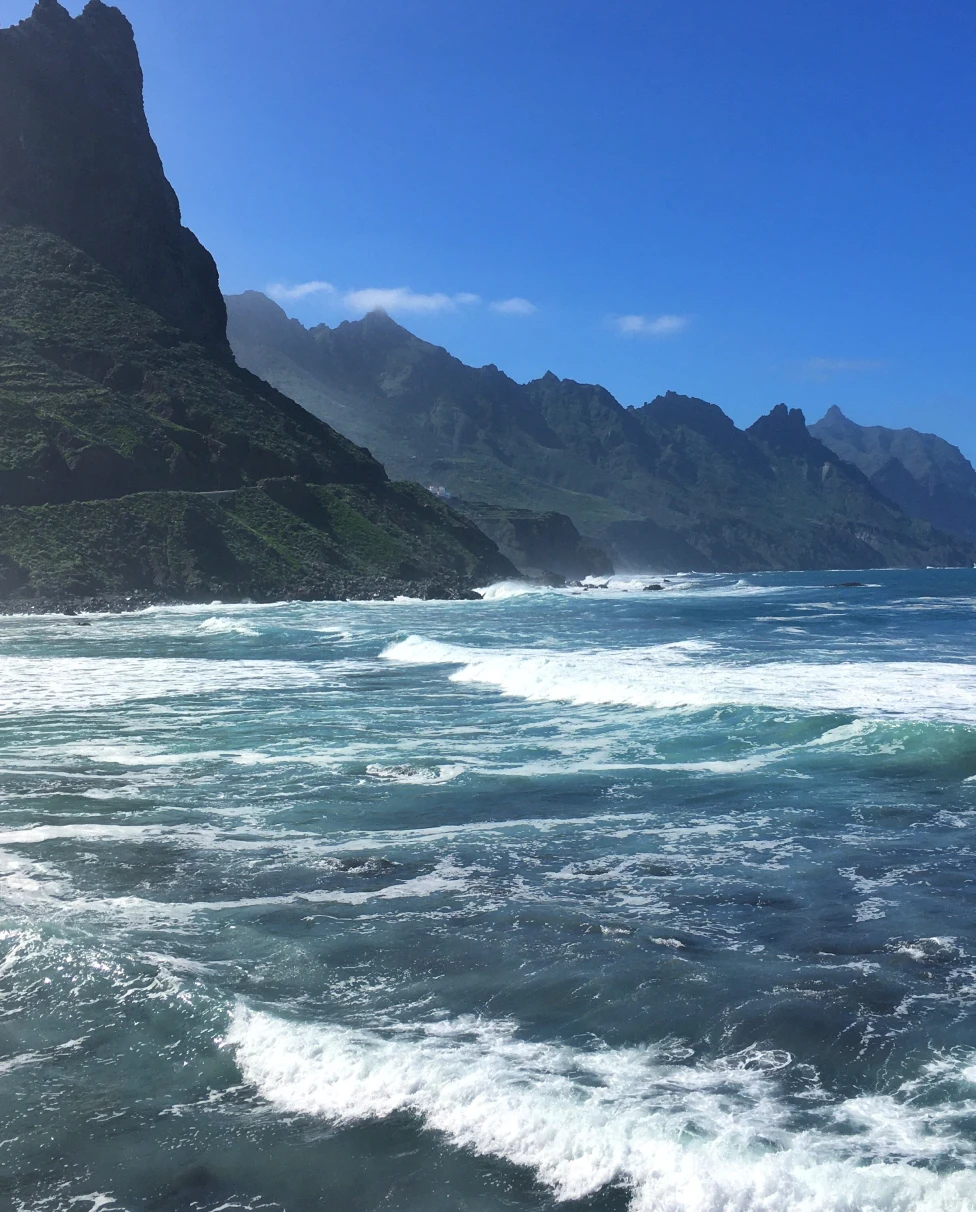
[[135, 455], [77, 159]]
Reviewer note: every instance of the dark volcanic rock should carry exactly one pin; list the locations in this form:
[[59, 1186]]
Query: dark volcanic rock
[[784, 430], [77, 159], [540, 543]]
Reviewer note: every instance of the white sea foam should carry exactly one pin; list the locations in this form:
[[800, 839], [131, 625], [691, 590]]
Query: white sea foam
[[33, 835], [30, 885], [35, 684], [685, 678], [222, 625], [419, 775], [682, 1137]]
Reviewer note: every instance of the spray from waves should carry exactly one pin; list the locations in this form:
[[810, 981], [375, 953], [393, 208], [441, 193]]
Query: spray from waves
[[680, 677], [637, 583], [502, 591], [226, 626], [681, 1137]]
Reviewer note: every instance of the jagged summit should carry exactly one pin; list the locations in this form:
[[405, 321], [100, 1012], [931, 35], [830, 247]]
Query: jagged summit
[[674, 408], [77, 159], [673, 484], [49, 8], [927, 476]]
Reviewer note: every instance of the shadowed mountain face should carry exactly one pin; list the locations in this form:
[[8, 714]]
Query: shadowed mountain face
[[924, 474], [77, 159], [135, 455], [668, 486]]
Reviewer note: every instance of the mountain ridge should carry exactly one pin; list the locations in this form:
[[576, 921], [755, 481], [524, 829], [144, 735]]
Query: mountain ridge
[[669, 486], [924, 474]]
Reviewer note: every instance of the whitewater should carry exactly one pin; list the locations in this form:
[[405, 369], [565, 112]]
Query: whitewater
[[586, 899]]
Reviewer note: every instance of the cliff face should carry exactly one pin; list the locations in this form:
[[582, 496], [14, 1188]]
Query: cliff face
[[540, 544], [77, 159], [136, 457]]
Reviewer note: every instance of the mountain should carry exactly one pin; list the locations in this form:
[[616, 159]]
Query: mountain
[[77, 160], [137, 459], [424, 413], [669, 486], [927, 476]]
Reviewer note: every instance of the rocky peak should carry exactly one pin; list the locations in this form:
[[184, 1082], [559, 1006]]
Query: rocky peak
[[675, 409], [77, 159], [50, 10], [784, 430]]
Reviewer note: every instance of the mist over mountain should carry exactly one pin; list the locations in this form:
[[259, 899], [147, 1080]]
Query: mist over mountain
[[135, 455], [669, 486], [924, 474]]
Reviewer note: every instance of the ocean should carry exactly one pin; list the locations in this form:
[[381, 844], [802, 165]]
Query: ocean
[[604, 900]]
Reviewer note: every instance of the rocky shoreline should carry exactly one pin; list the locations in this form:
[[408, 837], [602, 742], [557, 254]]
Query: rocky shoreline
[[361, 589]]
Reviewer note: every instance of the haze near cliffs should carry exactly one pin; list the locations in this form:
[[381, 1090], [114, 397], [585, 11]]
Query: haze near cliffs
[[673, 485]]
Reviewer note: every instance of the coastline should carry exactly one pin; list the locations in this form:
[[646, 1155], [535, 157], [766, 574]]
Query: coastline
[[353, 589]]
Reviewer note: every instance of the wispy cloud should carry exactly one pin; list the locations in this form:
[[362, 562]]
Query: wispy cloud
[[395, 299], [514, 307], [402, 299], [821, 368], [294, 294], [649, 326]]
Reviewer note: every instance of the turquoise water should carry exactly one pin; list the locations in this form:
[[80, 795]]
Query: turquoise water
[[609, 900]]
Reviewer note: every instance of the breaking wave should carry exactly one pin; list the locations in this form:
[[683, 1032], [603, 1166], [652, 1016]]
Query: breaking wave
[[686, 677], [680, 1136]]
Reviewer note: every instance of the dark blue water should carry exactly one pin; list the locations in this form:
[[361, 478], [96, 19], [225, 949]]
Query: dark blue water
[[661, 901]]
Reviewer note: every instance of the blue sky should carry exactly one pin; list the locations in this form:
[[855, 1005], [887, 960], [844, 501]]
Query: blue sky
[[751, 202]]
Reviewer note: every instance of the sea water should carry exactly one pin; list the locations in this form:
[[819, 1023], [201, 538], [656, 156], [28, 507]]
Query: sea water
[[595, 899]]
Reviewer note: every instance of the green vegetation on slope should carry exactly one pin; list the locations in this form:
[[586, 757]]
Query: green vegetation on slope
[[100, 396], [132, 460], [283, 539]]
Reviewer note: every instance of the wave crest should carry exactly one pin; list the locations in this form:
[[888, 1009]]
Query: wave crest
[[685, 676], [682, 1137]]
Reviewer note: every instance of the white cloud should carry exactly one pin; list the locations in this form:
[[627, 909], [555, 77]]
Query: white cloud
[[396, 299], [820, 368], [292, 294], [649, 326], [514, 307], [401, 298]]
